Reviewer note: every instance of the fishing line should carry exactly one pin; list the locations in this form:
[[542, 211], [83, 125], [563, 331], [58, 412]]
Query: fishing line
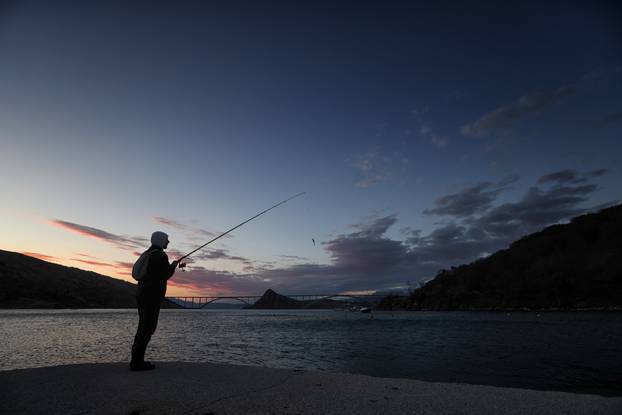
[[237, 226]]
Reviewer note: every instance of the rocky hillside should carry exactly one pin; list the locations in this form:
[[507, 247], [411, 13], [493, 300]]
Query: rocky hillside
[[27, 282], [571, 266]]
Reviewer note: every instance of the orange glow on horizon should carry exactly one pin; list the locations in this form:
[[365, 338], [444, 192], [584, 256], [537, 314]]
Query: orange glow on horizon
[[122, 271], [90, 262], [43, 257]]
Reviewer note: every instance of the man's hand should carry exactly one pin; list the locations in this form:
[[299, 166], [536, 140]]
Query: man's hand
[[175, 263]]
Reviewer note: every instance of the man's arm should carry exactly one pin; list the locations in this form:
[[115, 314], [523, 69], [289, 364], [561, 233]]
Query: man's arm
[[159, 266]]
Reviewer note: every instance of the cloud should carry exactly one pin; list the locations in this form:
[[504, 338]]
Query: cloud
[[562, 176], [136, 245], [366, 259], [125, 267], [294, 257], [472, 200], [450, 244], [571, 176], [219, 253], [377, 166], [489, 228], [190, 231], [87, 231], [418, 113], [502, 118], [426, 132], [362, 259], [536, 209], [370, 181], [373, 226], [603, 73], [373, 165], [597, 173], [366, 251], [43, 257], [207, 254], [221, 283], [120, 241], [170, 222], [121, 267], [565, 198], [364, 256], [609, 119], [85, 255], [508, 180], [92, 262], [438, 141]]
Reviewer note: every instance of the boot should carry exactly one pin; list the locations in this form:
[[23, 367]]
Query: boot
[[136, 367]]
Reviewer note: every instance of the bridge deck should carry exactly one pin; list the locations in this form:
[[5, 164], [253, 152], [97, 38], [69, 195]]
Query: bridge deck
[[202, 301]]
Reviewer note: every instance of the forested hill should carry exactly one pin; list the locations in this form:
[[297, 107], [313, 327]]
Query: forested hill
[[27, 282], [571, 266]]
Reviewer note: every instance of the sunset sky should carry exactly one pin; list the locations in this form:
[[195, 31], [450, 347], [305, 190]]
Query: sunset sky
[[426, 134]]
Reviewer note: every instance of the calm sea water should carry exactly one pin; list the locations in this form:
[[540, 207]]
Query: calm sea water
[[579, 351]]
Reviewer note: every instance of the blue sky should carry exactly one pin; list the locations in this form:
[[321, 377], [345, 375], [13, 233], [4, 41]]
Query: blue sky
[[419, 132]]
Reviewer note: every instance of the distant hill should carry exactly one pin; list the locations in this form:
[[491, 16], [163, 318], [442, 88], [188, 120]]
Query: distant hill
[[27, 282], [272, 300], [571, 266]]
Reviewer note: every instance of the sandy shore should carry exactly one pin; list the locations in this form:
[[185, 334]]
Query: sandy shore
[[205, 388]]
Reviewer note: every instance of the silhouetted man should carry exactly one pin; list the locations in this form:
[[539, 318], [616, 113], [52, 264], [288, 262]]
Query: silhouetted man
[[151, 291]]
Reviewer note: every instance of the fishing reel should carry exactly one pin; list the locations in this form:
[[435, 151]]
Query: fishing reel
[[182, 266]]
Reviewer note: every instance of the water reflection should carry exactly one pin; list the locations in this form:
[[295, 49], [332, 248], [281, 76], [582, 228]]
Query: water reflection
[[558, 351]]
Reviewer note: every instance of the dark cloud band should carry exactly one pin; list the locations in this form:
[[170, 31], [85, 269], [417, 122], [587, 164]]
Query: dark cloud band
[[502, 118]]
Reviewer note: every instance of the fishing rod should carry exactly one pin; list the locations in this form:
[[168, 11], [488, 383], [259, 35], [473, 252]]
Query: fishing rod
[[237, 226]]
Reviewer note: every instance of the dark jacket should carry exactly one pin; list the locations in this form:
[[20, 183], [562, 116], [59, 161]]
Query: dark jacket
[[153, 286]]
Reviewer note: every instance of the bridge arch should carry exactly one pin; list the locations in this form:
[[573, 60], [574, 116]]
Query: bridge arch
[[226, 298], [360, 298]]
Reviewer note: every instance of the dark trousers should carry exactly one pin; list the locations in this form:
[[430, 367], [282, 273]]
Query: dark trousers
[[148, 313]]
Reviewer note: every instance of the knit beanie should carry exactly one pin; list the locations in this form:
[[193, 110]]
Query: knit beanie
[[159, 239]]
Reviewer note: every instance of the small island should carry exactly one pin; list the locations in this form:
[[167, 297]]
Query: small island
[[272, 300]]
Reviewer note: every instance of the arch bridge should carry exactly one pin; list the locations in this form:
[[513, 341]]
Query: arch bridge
[[248, 300]]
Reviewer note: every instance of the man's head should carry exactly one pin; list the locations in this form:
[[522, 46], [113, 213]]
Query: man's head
[[159, 239]]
